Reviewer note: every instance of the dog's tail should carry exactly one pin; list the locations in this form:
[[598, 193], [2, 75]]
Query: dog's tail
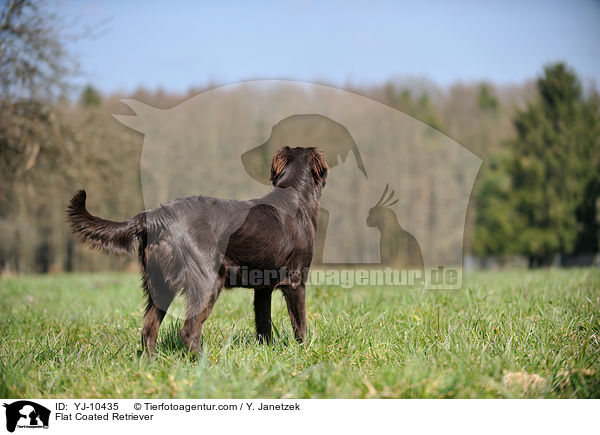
[[118, 238]]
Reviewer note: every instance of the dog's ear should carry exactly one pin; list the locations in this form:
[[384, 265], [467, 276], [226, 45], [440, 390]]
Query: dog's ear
[[280, 160], [318, 165]]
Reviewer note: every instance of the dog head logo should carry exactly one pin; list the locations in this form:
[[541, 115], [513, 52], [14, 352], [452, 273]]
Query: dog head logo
[[26, 414], [220, 143], [332, 139]]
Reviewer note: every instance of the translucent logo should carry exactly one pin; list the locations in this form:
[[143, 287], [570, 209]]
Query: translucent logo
[[393, 208]]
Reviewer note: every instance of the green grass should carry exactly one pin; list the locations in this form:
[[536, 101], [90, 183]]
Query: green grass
[[78, 336]]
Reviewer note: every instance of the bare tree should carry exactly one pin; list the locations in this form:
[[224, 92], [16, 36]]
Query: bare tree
[[33, 68]]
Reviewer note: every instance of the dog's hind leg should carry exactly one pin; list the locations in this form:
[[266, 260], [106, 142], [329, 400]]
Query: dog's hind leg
[[295, 300], [159, 298], [262, 313], [200, 304], [191, 333], [152, 320]]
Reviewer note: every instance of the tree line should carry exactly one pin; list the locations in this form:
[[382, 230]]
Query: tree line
[[537, 194]]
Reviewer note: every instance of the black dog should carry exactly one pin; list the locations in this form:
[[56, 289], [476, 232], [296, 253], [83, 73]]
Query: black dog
[[198, 245]]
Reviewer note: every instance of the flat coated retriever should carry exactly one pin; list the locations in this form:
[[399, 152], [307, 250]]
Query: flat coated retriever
[[197, 245]]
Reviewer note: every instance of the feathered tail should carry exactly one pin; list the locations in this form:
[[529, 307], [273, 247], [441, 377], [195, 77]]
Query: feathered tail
[[118, 238]]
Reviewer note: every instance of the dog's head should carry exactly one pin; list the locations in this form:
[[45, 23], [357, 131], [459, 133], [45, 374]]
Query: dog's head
[[291, 165]]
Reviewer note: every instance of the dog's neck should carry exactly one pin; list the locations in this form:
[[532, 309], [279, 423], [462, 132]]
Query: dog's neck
[[294, 199]]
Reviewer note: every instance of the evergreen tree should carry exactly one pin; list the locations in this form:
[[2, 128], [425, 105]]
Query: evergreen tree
[[486, 98], [90, 97], [536, 201]]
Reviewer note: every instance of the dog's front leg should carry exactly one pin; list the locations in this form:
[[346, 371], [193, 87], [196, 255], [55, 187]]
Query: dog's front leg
[[295, 300], [262, 314]]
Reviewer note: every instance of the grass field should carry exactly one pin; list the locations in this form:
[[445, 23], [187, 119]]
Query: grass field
[[505, 334]]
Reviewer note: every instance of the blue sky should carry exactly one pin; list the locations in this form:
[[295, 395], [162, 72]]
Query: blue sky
[[176, 45]]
